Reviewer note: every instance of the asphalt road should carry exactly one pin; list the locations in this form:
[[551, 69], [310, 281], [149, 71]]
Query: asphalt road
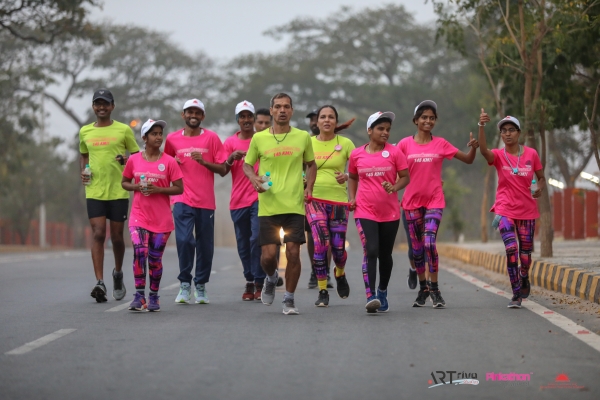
[[232, 349]]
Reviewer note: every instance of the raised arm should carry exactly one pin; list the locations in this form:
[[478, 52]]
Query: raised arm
[[485, 152]]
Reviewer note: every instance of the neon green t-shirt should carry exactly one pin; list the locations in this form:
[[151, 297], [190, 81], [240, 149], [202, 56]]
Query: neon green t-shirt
[[329, 160], [103, 145], [284, 160]]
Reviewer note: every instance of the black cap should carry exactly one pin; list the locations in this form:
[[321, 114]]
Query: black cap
[[310, 114], [103, 94]]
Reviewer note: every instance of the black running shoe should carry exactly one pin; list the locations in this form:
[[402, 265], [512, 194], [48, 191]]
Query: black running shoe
[[119, 290], [312, 281], [323, 300], [329, 284], [437, 299], [343, 289], [99, 292], [421, 298], [525, 287], [279, 281], [412, 279]]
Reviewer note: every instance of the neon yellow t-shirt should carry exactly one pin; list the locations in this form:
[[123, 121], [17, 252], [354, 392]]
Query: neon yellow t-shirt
[[103, 145], [329, 160], [284, 160]]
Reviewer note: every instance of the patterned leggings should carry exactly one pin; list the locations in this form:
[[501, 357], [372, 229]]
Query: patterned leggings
[[328, 224], [512, 230], [148, 246], [423, 224]]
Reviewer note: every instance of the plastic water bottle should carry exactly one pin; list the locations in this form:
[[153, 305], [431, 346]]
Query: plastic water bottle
[[88, 172], [534, 187], [496, 221], [143, 184], [266, 178]]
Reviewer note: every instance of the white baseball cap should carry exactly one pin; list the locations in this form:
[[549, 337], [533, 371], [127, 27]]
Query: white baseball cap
[[244, 105], [424, 103], [194, 103], [379, 115], [509, 119], [150, 123]]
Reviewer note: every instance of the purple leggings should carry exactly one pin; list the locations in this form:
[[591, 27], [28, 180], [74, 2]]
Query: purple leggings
[[423, 224], [513, 230], [328, 225], [147, 246]]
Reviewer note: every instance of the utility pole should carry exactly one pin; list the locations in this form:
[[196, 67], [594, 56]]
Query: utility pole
[[42, 221]]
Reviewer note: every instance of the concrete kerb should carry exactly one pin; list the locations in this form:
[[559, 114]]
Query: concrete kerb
[[559, 278]]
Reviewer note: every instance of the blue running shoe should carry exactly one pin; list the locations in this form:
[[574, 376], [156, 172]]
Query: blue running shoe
[[382, 296], [153, 303], [138, 303], [373, 304]]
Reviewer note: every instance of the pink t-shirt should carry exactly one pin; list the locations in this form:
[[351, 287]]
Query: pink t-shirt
[[425, 170], [372, 201], [513, 197], [199, 181], [242, 193], [152, 212]]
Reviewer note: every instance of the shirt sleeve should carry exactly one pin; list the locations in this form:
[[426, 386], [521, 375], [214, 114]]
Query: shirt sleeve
[[309, 154], [218, 150], [352, 164], [496, 153], [252, 153], [400, 160], [130, 143], [537, 164], [169, 150], [82, 146], [449, 150], [128, 171], [174, 171]]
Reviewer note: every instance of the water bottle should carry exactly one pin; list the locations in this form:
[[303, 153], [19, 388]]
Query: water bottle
[[266, 178], [88, 172], [143, 184], [496, 221], [534, 187]]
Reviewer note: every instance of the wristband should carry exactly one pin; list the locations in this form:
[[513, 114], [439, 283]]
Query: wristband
[[227, 162], [480, 124]]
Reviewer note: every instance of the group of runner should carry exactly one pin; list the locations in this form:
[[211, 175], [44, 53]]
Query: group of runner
[[285, 179]]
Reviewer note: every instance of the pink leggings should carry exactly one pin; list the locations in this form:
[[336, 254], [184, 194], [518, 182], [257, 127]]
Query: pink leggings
[[147, 246]]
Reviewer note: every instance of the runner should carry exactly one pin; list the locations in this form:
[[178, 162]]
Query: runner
[[423, 201], [515, 207], [263, 119], [150, 224], [200, 155], [281, 150], [244, 202], [377, 214], [310, 244], [102, 145], [327, 213]]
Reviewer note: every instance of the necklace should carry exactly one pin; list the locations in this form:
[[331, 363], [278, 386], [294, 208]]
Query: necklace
[[336, 148], [368, 149], [146, 156], [515, 170], [275, 137]]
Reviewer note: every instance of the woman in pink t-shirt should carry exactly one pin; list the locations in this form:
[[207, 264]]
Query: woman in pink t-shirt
[[515, 207], [373, 198], [423, 201], [150, 222]]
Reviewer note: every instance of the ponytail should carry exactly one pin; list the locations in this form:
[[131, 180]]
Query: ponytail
[[345, 125]]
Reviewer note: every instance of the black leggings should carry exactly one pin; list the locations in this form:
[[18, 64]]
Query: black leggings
[[378, 243]]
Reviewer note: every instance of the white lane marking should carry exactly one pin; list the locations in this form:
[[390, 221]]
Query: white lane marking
[[225, 268], [42, 256], [566, 324], [26, 348], [126, 305], [213, 272]]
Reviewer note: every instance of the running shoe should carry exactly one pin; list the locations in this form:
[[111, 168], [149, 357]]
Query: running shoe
[[99, 292], [184, 294], [437, 299], [329, 284], [412, 279], [119, 290], [268, 293], [323, 300], [515, 302], [289, 307], [258, 291], [312, 281], [343, 289], [421, 298], [138, 303], [279, 281], [525, 287], [201, 295], [153, 304], [382, 296], [373, 304], [249, 292]]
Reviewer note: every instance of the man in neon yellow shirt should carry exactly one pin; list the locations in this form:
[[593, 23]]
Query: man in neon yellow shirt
[[281, 151], [102, 145]]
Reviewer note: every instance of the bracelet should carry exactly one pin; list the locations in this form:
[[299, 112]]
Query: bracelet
[[480, 124], [227, 162]]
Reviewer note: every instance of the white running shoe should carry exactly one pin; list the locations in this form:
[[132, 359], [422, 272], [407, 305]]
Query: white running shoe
[[184, 294], [201, 295]]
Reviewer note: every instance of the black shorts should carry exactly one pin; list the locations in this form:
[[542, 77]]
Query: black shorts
[[292, 224], [115, 210], [307, 227]]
